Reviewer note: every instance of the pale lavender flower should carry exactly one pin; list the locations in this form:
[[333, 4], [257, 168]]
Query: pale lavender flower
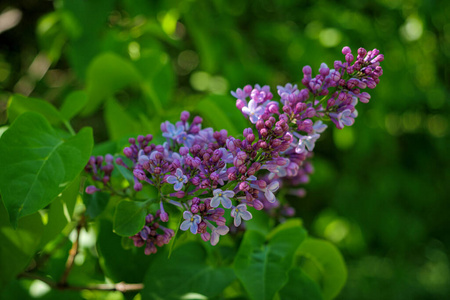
[[186, 139], [269, 191], [253, 111], [343, 118], [172, 132], [178, 179], [222, 197], [239, 212], [190, 221], [319, 127], [217, 232], [306, 141]]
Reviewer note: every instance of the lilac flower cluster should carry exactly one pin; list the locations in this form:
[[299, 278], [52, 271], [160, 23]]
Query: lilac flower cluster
[[100, 169], [153, 234], [209, 175]]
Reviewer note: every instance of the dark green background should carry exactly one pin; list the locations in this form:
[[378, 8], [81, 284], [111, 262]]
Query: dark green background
[[380, 190]]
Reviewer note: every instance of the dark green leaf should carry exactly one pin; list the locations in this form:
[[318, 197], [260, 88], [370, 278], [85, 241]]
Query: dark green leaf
[[37, 164], [129, 265], [129, 218], [262, 266], [186, 271], [95, 203], [17, 246], [20, 104], [73, 104], [300, 286], [329, 262], [107, 74]]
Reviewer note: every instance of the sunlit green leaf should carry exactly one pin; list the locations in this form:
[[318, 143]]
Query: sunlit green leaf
[[73, 104], [37, 164]]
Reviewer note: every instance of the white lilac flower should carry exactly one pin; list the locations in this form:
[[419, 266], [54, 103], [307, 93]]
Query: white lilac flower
[[190, 221], [253, 111], [306, 142], [177, 180], [319, 127], [222, 197], [217, 232], [240, 212]]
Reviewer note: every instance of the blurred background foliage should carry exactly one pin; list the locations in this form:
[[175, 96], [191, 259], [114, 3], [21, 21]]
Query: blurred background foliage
[[380, 190]]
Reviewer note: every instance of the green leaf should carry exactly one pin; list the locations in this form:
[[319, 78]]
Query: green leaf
[[300, 286], [37, 164], [328, 261], [186, 271], [17, 246], [129, 218], [73, 104], [216, 115], [95, 203], [120, 264], [262, 266], [107, 74], [118, 122], [20, 104], [62, 205]]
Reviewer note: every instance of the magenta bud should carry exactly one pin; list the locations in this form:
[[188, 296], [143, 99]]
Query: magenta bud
[[137, 186], [184, 116], [184, 151], [140, 174], [346, 50], [258, 205], [307, 70], [164, 216], [240, 104], [91, 189], [206, 236], [243, 186], [194, 209]]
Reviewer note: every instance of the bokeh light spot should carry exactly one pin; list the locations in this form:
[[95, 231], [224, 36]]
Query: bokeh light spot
[[412, 29], [330, 37], [200, 80]]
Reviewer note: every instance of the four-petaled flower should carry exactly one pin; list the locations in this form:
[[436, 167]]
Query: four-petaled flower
[[239, 212], [253, 111], [222, 197], [178, 179], [217, 232], [308, 141], [172, 133], [344, 118], [191, 221]]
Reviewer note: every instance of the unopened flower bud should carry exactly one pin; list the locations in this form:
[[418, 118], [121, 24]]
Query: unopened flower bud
[[91, 189]]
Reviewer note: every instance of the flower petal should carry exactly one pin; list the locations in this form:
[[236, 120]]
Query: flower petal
[[214, 238], [171, 179], [222, 230], [185, 225], [228, 193], [215, 201], [226, 202], [246, 215], [178, 186], [194, 228], [187, 215], [269, 196], [237, 220]]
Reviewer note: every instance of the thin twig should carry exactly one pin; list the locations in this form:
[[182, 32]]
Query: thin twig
[[72, 253], [120, 287]]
